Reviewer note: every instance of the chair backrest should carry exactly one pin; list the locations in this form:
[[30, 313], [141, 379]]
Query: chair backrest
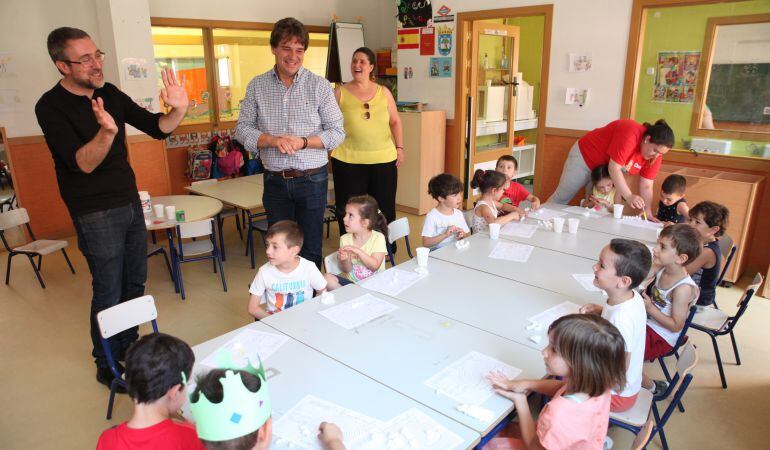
[[640, 441], [125, 315], [686, 327], [203, 182], [743, 303], [687, 361], [727, 248], [13, 218], [195, 229], [468, 217], [398, 229], [332, 264]]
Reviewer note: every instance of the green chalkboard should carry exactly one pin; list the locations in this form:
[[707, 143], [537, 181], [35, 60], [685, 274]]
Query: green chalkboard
[[739, 92]]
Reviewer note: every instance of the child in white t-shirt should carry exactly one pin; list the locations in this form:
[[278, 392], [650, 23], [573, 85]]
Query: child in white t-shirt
[[445, 223], [286, 279], [622, 266]]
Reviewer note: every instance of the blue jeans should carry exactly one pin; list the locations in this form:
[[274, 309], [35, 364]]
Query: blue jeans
[[114, 242], [302, 200]]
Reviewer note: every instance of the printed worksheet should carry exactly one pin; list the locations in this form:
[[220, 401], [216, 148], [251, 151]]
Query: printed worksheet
[[299, 426], [246, 346], [392, 281], [545, 318], [465, 380], [639, 222], [545, 214], [410, 430], [587, 281], [356, 312], [582, 211], [518, 229], [511, 251]]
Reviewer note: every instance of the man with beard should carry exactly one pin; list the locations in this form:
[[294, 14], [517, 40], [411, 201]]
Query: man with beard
[[83, 120]]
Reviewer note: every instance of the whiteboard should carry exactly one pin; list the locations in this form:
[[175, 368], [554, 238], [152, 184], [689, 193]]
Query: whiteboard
[[345, 39]]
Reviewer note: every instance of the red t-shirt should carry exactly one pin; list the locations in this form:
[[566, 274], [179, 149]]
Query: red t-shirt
[[164, 435], [516, 193], [619, 140]]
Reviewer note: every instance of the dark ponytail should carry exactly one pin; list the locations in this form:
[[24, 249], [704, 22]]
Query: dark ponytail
[[660, 133], [369, 209], [485, 180]]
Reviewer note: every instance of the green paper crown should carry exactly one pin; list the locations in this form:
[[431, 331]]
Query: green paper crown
[[241, 411]]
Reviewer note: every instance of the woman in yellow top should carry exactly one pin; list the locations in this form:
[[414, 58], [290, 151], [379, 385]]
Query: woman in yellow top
[[367, 160]]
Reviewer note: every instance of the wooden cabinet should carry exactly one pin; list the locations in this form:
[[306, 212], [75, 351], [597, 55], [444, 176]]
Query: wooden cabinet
[[424, 135], [737, 191]]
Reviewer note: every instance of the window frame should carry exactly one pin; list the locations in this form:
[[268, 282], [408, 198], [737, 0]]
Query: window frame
[[212, 77]]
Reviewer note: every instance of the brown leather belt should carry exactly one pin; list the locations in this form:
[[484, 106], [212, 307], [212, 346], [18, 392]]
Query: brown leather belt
[[295, 173]]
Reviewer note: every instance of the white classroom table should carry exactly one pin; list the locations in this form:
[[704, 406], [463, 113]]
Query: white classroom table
[[609, 225], [405, 348], [235, 192], [547, 269], [295, 370], [195, 208], [485, 301]]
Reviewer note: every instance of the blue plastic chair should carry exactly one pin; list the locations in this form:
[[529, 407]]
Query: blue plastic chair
[[197, 250]]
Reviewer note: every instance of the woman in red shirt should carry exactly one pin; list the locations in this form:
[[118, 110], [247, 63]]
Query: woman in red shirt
[[628, 148]]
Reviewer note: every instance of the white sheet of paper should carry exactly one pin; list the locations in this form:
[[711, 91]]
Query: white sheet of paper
[[518, 229], [581, 211], [547, 317], [636, 221], [465, 380], [248, 344], [299, 426], [411, 429], [545, 214], [392, 281], [511, 251], [587, 281], [358, 311]]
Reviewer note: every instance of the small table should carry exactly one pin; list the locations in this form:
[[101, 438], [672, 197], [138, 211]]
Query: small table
[[236, 192]]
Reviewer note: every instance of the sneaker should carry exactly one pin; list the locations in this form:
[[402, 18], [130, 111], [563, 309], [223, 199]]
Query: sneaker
[[104, 376], [608, 443], [659, 388]]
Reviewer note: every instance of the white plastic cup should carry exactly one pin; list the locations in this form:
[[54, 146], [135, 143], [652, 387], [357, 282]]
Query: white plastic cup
[[494, 231], [422, 256], [558, 224], [617, 211], [158, 210], [171, 212], [573, 225], [144, 199]]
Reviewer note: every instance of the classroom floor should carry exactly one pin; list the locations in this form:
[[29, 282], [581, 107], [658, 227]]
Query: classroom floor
[[53, 401]]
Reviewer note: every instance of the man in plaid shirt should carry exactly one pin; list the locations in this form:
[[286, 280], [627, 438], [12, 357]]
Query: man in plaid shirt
[[290, 117]]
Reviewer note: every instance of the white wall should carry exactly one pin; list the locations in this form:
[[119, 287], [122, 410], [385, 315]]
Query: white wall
[[742, 44], [596, 26]]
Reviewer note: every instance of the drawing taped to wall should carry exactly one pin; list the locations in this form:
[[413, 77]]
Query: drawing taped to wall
[[440, 67], [580, 62]]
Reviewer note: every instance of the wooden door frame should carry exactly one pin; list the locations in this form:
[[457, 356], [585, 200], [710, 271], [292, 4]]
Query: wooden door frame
[[463, 31]]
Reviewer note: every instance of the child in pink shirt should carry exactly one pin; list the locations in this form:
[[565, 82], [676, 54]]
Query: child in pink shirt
[[589, 354]]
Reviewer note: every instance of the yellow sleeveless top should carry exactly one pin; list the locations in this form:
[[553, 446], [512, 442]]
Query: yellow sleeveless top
[[367, 141]]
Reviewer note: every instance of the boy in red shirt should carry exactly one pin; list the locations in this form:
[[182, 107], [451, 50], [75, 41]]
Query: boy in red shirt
[[515, 193], [154, 366]]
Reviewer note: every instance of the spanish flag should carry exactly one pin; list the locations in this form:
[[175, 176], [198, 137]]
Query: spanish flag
[[408, 38]]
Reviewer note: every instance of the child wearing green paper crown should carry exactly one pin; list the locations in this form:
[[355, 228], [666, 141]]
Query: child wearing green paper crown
[[232, 411]]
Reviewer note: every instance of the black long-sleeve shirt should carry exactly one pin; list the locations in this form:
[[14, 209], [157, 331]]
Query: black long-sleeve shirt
[[68, 123]]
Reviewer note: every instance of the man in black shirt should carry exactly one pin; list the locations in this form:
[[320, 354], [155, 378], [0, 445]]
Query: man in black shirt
[[83, 120]]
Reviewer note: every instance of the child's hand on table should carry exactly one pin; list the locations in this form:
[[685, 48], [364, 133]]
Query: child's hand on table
[[590, 308]]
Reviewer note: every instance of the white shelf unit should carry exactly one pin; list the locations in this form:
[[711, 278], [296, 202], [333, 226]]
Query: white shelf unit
[[484, 128], [524, 154]]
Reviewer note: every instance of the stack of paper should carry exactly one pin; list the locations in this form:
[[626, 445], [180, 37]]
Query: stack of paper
[[392, 281], [410, 430], [518, 229], [357, 312], [511, 251], [546, 318], [247, 345], [466, 381], [545, 214]]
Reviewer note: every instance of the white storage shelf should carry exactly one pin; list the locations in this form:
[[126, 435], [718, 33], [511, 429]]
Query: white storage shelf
[[484, 128], [524, 154]]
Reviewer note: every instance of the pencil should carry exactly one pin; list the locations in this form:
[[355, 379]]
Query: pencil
[[644, 214]]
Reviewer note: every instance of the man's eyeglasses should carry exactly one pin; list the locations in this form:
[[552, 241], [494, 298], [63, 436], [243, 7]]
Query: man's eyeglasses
[[88, 60]]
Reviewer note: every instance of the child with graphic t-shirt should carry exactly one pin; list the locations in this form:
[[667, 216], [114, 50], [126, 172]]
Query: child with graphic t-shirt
[[286, 279], [513, 193], [363, 248], [445, 223], [622, 266]]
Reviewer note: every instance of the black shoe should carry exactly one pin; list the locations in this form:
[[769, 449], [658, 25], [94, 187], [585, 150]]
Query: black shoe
[[104, 376]]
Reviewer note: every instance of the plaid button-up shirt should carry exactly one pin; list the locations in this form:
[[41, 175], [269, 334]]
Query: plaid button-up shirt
[[307, 108]]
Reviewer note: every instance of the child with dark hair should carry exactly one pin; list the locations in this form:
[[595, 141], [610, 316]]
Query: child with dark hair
[[155, 365], [622, 266], [672, 207], [364, 246], [587, 354], [490, 183], [513, 192], [286, 279], [672, 294], [602, 195], [445, 223], [710, 220]]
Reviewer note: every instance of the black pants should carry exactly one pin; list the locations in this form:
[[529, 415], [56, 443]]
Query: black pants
[[377, 180]]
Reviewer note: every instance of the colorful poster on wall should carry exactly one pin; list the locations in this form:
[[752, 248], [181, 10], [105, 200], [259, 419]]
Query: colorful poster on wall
[[427, 41], [440, 67], [414, 13], [676, 77], [408, 39], [444, 39]]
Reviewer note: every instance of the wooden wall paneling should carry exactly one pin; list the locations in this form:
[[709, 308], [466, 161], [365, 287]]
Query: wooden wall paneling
[[177, 164], [148, 159], [452, 161]]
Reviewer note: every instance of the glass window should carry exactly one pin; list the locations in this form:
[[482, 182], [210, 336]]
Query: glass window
[[181, 49]]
